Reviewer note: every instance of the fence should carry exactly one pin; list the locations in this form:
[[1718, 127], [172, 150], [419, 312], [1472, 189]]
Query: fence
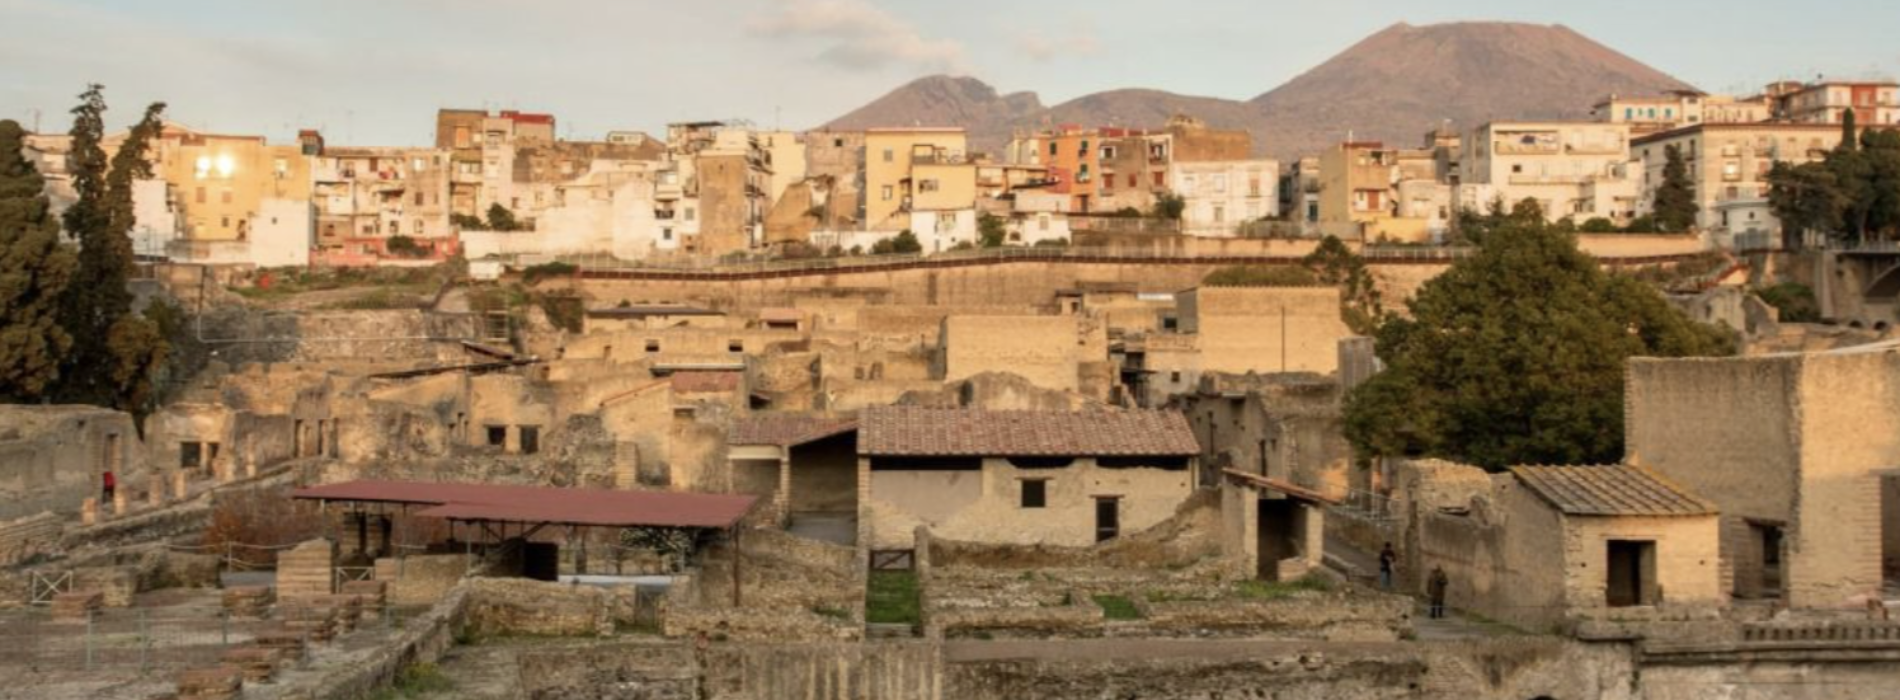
[[115, 642]]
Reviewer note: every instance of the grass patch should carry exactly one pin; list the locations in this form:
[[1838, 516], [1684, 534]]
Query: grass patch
[[1277, 590], [382, 298], [892, 598], [1115, 607]]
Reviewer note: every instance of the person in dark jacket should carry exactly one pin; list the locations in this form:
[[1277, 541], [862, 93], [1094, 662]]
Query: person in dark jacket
[[107, 484], [1435, 590], [1388, 560]]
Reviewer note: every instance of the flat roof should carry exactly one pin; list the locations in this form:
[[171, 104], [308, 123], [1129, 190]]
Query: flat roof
[[544, 504]]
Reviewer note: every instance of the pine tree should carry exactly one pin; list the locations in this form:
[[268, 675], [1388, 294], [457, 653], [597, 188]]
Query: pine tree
[[34, 271], [1675, 207], [1850, 136]]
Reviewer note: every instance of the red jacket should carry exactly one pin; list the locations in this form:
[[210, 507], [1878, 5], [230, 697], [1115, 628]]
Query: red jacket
[[108, 481]]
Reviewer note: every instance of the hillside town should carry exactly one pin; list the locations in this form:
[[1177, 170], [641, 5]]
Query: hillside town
[[1529, 408]]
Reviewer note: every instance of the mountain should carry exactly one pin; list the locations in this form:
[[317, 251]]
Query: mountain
[[1402, 82], [1392, 86]]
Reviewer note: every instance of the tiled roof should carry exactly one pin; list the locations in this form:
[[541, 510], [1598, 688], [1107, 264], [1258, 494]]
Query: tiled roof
[[786, 429], [1610, 490], [957, 432], [704, 382]]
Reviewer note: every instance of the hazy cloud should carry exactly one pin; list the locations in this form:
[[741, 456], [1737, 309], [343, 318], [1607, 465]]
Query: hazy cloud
[[860, 36], [1043, 48]]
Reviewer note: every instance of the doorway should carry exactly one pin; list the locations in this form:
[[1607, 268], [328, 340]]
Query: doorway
[[1108, 518], [1767, 540], [1890, 532], [1632, 573], [1278, 534]]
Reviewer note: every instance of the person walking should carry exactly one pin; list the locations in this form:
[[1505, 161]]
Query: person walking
[[1435, 590], [107, 484], [1388, 560]]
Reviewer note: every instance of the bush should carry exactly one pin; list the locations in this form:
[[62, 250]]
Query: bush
[[535, 273], [1261, 276], [260, 518], [406, 247], [1795, 301], [1599, 225], [1053, 243], [467, 222], [904, 242]]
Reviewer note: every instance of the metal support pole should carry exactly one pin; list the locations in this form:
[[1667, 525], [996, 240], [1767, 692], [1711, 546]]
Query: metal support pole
[[89, 616], [738, 555]]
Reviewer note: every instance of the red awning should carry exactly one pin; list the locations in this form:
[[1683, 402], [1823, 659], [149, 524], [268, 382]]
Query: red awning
[[542, 504]]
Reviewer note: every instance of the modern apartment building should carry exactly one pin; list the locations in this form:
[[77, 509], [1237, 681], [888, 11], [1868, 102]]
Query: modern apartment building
[[1728, 168], [1577, 170]]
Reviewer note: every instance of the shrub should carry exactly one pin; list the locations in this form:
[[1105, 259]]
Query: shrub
[[535, 273], [1795, 301], [1261, 276]]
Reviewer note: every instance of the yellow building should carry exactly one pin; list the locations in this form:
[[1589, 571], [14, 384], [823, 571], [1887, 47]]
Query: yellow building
[[219, 184], [890, 184]]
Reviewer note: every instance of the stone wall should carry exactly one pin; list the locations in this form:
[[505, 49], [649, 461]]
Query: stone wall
[[25, 538], [506, 606], [1042, 349], [1265, 329], [420, 579], [985, 505], [54, 456]]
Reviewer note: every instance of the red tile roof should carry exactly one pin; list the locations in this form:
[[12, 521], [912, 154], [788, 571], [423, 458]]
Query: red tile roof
[[786, 429], [958, 432], [542, 504]]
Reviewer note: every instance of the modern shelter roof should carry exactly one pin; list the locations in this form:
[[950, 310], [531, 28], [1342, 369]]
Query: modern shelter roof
[[543, 504]]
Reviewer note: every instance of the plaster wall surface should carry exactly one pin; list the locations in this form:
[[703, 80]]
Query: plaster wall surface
[[986, 506]]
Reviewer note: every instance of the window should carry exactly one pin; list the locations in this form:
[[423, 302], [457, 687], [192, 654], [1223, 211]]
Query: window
[[418, 227], [887, 193], [1035, 493], [1108, 153], [837, 143], [418, 199], [927, 185], [1042, 222], [190, 455], [199, 196], [666, 234], [497, 435], [889, 155], [653, 346], [1053, 149], [690, 213], [530, 439], [735, 346], [1134, 180]]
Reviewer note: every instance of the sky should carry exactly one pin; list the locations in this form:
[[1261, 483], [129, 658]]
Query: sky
[[373, 72]]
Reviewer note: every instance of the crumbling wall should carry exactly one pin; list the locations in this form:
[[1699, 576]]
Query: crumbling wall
[[1046, 350], [1265, 329]]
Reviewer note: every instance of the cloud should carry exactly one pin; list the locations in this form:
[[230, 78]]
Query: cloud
[[1043, 48], [859, 36]]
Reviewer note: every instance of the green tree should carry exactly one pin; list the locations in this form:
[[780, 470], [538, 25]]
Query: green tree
[[906, 242], [138, 353], [1881, 149], [1674, 205], [1598, 224], [34, 272], [1806, 198], [1170, 206], [989, 228], [1361, 304], [1261, 276], [501, 218], [1516, 355], [96, 307]]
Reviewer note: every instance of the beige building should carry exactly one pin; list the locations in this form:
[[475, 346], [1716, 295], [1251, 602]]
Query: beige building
[[892, 186], [1648, 114], [1828, 101], [1541, 545], [1264, 329], [1065, 479], [1798, 452], [1575, 170], [1728, 168], [1042, 349], [1372, 193]]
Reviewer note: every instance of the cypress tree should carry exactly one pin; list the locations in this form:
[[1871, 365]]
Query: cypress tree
[[113, 351], [1675, 206], [34, 271]]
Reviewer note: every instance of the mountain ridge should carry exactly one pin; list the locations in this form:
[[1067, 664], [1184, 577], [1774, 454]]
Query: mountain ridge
[[1394, 85]]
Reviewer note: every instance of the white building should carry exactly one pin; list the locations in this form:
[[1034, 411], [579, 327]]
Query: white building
[[1577, 170], [1222, 195]]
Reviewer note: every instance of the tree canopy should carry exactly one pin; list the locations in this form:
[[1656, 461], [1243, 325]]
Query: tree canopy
[[1516, 354], [1853, 193], [34, 272]]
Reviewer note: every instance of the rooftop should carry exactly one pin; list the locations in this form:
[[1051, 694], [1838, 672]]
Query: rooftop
[[540, 504], [787, 429], [914, 431], [1610, 490]]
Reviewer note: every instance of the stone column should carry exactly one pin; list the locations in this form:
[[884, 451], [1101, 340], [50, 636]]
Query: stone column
[[181, 487], [782, 500], [89, 511], [155, 490], [118, 502]]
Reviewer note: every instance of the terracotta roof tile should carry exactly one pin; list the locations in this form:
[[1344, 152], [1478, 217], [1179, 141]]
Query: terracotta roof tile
[[919, 432], [786, 429], [1611, 490]]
